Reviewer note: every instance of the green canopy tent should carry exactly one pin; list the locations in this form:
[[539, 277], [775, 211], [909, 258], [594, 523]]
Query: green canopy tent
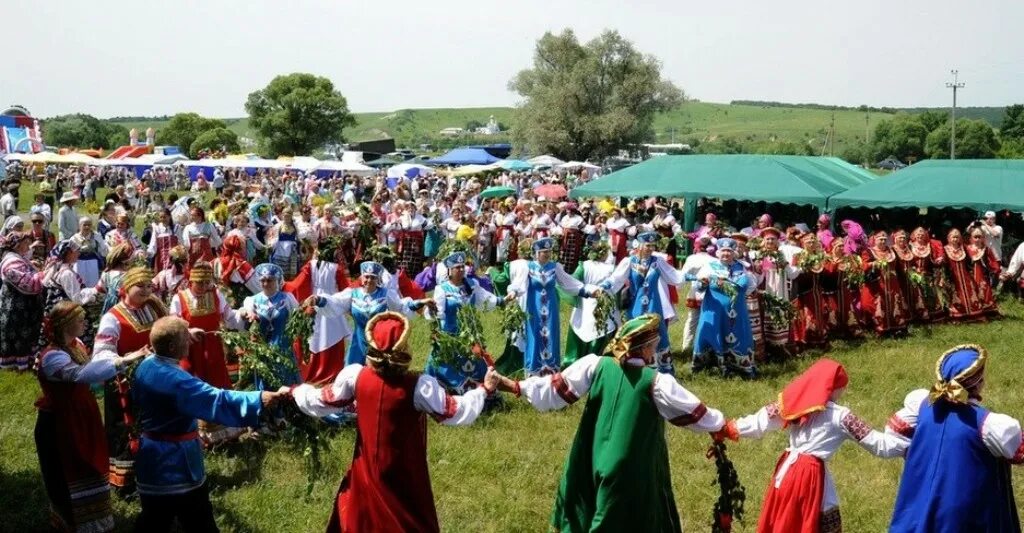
[[802, 180], [979, 184]]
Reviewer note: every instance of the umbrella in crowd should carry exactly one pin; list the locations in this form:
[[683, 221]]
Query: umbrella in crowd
[[515, 165], [497, 192], [550, 191]]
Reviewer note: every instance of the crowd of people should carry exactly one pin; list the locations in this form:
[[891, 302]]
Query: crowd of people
[[364, 254]]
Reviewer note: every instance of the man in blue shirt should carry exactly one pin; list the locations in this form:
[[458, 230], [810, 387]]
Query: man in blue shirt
[[169, 466]]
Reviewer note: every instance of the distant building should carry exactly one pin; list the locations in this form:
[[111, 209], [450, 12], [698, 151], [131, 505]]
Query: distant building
[[452, 132], [492, 128]]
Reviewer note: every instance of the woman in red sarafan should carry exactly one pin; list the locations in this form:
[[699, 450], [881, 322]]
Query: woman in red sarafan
[[844, 319], [984, 268], [810, 327], [387, 487], [881, 297], [927, 259], [968, 302]]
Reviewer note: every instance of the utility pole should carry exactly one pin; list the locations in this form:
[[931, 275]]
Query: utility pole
[[832, 135], [952, 129]]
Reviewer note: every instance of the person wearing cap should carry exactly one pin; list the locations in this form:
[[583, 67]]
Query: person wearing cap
[[387, 486], [777, 273], [449, 296], [171, 472], [801, 496], [204, 307], [538, 296], [373, 297], [649, 278], [957, 472], [323, 275], [124, 332], [70, 443], [67, 217], [617, 475], [585, 335], [21, 302], [993, 234], [723, 337]]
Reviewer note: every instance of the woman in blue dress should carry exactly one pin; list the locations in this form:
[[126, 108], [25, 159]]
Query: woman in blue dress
[[271, 309], [449, 296], [724, 336], [284, 246], [649, 277], [538, 295], [363, 303]]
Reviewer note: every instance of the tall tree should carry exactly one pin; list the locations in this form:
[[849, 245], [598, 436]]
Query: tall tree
[[975, 139], [298, 113], [83, 131], [1013, 123], [902, 136], [589, 100], [215, 139], [932, 120], [184, 128]]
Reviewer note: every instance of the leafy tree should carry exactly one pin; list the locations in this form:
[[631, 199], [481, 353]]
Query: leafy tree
[[214, 139], [902, 136], [83, 131], [587, 100], [472, 125], [1013, 123], [298, 113], [184, 128], [932, 120], [855, 154], [724, 145], [975, 139]]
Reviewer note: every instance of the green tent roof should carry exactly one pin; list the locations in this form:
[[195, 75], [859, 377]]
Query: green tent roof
[[769, 178], [979, 184]]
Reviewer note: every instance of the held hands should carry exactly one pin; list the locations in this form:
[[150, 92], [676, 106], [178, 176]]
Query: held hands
[[310, 303], [268, 399], [728, 431], [131, 357], [195, 335], [492, 380]]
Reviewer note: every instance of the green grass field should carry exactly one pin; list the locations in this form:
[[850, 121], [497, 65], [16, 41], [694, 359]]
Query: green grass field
[[706, 121], [501, 473]]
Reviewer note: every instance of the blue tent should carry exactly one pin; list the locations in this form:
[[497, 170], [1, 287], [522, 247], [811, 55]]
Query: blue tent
[[464, 156]]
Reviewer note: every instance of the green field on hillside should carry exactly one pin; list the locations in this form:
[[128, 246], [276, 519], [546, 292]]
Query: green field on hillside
[[693, 120]]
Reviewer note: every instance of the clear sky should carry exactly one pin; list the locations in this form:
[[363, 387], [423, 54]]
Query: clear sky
[[150, 57]]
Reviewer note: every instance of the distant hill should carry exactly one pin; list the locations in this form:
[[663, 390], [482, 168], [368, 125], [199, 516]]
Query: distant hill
[[748, 122]]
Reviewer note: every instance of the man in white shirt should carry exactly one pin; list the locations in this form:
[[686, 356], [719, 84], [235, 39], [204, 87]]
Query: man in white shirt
[[993, 234], [67, 217], [8, 204]]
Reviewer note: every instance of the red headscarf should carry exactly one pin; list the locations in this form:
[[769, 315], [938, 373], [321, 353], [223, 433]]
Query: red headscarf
[[231, 258], [810, 391]]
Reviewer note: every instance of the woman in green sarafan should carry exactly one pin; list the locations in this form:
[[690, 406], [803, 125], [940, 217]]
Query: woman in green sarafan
[[617, 475]]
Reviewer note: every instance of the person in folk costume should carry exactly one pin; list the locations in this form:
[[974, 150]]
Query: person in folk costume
[[824, 231], [324, 275], [235, 274], [619, 229], [362, 303], [708, 228], [124, 332], [506, 241], [956, 477], [409, 227], [570, 227], [92, 251], [585, 335], [926, 259], [164, 238], [538, 296], [776, 275], [450, 295], [515, 273], [123, 234], [763, 222], [70, 442], [174, 278], [810, 327], [665, 225], [387, 486], [1014, 269], [271, 308], [260, 218], [61, 283], [205, 308], [844, 319], [21, 302], [967, 303], [282, 240], [617, 475], [801, 495], [117, 263], [702, 250], [200, 237], [540, 224], [984, 267], [171, 473], [882, 302], [43, 239], [723, 338], [649, 278], [913, 295], [743, 256]]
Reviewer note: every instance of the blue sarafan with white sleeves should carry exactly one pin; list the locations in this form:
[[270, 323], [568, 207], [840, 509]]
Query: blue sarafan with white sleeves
[[169, 400], [724, 336], [465, 373], [957, 473]]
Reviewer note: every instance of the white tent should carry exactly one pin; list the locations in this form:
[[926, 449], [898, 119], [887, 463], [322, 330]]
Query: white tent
[[402, 170], [347, 167], [572, 165], [545, 161]]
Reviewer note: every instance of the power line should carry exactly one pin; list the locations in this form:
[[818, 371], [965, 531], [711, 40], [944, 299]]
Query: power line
[[956, 84]]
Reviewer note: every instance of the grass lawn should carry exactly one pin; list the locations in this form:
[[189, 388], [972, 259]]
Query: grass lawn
[[501, 473]]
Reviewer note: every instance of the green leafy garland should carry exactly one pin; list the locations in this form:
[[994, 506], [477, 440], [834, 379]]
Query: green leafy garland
[[777, 310], [300, 327], [604, 311], [854, 273], [732, 494], [778, 260], [263, 361], [449, 348], [513, 320], [810, 261]]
